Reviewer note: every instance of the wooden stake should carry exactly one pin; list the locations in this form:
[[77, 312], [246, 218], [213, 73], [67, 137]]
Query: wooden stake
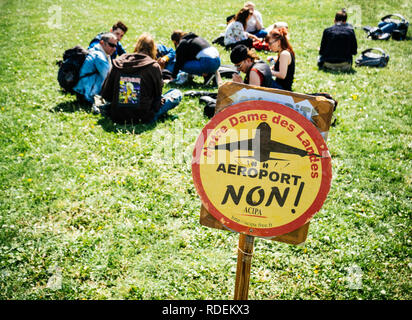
[[244, 261]]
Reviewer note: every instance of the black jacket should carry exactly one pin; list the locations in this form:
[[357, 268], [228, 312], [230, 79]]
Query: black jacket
[[338, 44], [190, 45]]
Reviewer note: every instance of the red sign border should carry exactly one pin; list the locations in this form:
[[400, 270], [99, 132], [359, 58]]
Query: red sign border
[[293, 115]]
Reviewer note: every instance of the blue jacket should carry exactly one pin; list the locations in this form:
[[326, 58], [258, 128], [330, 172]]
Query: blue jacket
[[170, 53], [97, 63], [119, 48]]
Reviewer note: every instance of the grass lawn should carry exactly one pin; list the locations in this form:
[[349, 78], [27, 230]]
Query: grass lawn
[[93, 210]]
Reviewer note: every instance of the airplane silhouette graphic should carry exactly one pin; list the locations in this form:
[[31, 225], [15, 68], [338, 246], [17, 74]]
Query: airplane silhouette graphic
[[262, 145]]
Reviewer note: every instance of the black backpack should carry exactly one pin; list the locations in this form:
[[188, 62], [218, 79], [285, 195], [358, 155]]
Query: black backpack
[[69, 68], [371, 59], [225, 71]]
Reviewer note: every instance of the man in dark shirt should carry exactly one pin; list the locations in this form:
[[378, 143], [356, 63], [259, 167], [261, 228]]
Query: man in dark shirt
[[338, 44]]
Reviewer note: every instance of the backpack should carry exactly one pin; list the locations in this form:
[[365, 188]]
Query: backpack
[[260, 45], [389, 27], [371, 59], [69, 68], [399, 33], [226, 71]]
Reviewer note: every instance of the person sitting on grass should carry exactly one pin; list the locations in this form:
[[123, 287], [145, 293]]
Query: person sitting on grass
[[119, 29], [255, 22], [247, 61], [194, 55], [236, 30], [134, 86], [338, 45], [165, 57], [284, 67], [278, 25], [95, 69]]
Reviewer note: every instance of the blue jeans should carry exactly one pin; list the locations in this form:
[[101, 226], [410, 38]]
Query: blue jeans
[[172, 99], [276, 85], [262, 33], [170, 65], [387, 27], [201, 66]]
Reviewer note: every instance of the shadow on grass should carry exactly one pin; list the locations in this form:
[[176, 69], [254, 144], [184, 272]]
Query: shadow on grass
[[351, 71], [108, 125], [71, 106]]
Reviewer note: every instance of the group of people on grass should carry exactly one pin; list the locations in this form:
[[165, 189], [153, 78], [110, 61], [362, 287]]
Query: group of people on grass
[[135, 80]]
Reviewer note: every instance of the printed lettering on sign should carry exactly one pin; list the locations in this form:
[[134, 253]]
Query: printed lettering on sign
[[261, 168]]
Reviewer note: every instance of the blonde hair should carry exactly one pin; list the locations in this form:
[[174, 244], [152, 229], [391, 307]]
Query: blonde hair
[[146, 45]]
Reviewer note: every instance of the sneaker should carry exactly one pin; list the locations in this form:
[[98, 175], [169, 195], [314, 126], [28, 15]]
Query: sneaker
[[182, 78], [95, 109], [105, 110]]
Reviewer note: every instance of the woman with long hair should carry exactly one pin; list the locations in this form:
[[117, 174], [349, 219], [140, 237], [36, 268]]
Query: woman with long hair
[[284, 68], [236, 30], [145, 44]]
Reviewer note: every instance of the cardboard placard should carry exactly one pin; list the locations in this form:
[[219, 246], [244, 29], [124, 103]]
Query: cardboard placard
[[317, 109], [266, 190], [295, 237]]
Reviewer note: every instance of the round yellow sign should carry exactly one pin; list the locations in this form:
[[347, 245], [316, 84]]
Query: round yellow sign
[[261, 168]]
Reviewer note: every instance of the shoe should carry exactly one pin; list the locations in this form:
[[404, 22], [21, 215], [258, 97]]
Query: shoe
[[207, 100], [105, 110], [182, 78], [210, 107], [193, 94], [95, 109]]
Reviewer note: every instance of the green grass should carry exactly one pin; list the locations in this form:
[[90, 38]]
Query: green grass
[[112, 211]]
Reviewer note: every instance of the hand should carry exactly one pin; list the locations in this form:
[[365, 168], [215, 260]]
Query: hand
[[253, 37], [237, 78], [161, 62]]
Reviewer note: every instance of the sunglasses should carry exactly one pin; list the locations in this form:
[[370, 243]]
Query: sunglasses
[[111, 44], [273, 41], [238, 65]]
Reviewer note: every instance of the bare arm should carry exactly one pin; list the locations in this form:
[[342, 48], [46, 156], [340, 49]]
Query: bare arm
[[284, 61], [252, 36], [254, 78]]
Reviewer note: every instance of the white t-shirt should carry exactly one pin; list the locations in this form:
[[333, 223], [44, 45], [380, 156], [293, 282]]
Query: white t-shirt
[[209, 52], [251, 23]]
